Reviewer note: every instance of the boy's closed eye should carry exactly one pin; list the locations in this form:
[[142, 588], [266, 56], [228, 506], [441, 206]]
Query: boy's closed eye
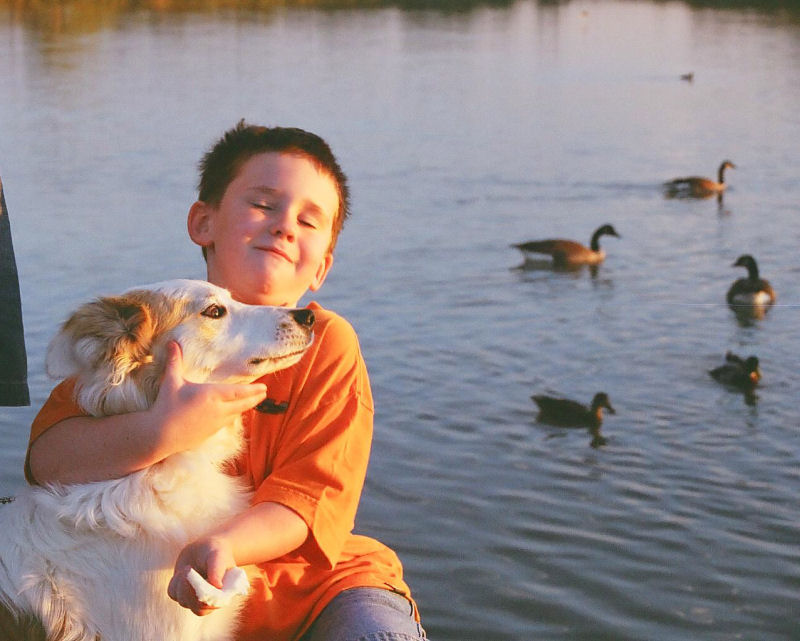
[[308, 221]]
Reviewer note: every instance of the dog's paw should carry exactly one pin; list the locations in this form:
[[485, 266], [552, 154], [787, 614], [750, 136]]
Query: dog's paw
[[234, 583]]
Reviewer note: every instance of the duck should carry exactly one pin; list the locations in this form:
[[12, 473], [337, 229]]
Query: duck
[[698, 186], [570, 253], [752, 291], [743, 373], [569, 413]]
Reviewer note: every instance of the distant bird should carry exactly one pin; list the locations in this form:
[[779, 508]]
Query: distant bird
[[568, 413], [569, 253], [743, 373], [698, 186], [688, 77], [752, 291]]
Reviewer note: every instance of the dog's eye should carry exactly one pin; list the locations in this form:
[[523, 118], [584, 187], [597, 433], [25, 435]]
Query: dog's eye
[[214, 311]]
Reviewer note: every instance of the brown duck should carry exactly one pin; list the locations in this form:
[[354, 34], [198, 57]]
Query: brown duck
[[699, 186], [569, 413], [569, 253]]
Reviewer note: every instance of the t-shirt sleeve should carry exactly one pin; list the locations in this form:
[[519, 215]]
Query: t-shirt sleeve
[[59, 406], [321, 458]]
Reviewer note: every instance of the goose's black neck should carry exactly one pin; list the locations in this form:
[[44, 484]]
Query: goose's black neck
[[595, 242]]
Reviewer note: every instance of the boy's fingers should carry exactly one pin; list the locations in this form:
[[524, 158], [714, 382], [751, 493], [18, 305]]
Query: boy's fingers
[[174, 365], [181, 591], [236, 391], [245, 396], [215, 573], [174, 353]]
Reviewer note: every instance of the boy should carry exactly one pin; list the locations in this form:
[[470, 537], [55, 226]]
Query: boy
[[271, 204]]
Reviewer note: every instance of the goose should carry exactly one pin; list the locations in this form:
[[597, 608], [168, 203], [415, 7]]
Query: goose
[[698, 186], [569, 413], [569, 253], [743, 373], [751, 291]]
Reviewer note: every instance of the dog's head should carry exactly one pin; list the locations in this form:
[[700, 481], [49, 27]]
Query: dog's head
[[116, 346]]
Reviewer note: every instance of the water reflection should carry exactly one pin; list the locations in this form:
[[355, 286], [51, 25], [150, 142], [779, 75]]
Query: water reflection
[[597, 441], [544, 265], [749, 315]]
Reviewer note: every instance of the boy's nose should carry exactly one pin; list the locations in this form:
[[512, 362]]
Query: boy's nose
[[283, 225], [282, 231], [303, 317]]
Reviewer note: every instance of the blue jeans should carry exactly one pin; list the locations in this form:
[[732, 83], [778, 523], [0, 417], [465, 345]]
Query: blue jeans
[[366, 614]]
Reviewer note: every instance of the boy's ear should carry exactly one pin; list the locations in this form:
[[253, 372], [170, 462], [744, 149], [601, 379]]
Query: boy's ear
[[322, 272], [199, 223]]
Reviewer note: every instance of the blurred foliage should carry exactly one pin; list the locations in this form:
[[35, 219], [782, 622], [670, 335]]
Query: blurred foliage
[[766, 6], [52, 17], [85, 16]]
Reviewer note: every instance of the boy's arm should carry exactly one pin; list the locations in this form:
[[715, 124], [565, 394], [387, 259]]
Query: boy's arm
[[263, 531], [84, 449]]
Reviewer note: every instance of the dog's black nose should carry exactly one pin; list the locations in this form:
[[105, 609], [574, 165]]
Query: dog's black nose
[[303, 317]]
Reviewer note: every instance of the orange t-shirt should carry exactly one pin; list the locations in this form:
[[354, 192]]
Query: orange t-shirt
[[308, 451]]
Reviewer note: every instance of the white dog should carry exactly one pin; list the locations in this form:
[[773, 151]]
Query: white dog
[[92, 561]]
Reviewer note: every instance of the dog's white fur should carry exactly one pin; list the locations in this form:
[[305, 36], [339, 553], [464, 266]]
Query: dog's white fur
[[92, 561]]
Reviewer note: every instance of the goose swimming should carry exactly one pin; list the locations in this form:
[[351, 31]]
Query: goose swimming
[[752, 291], [699, 186], [569, 253]]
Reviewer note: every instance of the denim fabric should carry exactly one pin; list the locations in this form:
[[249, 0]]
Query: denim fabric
[[366, 614], [14, 374]]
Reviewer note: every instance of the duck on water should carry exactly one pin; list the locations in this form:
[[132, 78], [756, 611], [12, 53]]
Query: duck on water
[[565, 412], [742, 373]]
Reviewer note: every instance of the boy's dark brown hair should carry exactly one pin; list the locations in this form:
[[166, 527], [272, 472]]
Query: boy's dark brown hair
[[220, 165]]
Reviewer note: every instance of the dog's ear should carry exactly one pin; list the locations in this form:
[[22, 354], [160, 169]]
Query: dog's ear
[[110, 334]]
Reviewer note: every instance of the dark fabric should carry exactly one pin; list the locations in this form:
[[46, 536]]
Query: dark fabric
[[13, 360]]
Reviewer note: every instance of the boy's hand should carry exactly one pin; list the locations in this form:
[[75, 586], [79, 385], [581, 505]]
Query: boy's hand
[[185, 414], [234, 583], [211, 557]]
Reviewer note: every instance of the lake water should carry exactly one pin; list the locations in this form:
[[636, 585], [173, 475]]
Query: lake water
[[465, 129]]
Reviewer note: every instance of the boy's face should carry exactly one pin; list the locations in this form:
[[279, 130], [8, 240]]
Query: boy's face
[[268, 241]]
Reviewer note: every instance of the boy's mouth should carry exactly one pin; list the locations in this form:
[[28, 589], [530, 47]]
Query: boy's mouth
[[277, 252]]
